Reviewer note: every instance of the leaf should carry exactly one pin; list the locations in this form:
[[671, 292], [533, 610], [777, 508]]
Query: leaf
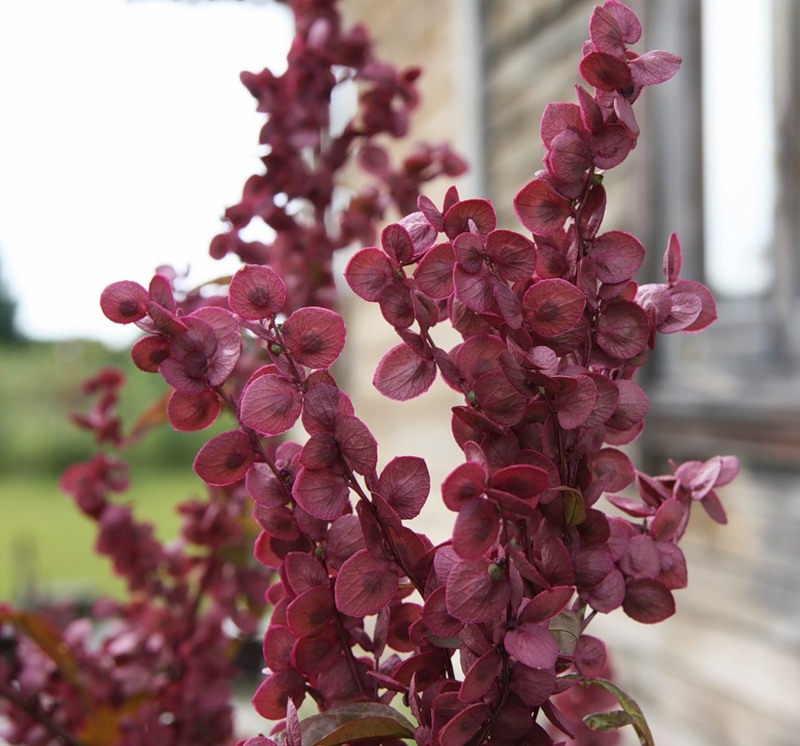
[[546, 604], [124, 302], [629, 707], [405, 484], [552, 307], [532, 644], [256, 292], [673, 259], [479, 211], [476, 528], [225, 459], [477, 591], [652, 68], [401, 374], [623, 330], [270, 404], [465, 482], [574, 508], [576, 401], [357, 444], [314, 336], [364, 586], [604, 71], [616, 256], [368, 272], [480, 677], [324, 729], [604, 721], [322, 406], [397, 243], [466, 724], [513, 256], [310, 612], [648, 601], [321, 493], [191, 412], [434, 273], [540, 208]]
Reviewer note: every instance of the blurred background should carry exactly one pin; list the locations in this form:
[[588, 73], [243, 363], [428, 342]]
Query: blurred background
[[125, 133]]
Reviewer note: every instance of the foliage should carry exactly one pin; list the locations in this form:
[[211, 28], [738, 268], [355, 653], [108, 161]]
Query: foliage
[[364, 608]]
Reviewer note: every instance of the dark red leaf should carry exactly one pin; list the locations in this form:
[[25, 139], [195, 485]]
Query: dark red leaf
[[225, 459], [534, 686], [590, 656], [321, 493], [540, 208], [616, 256], [481, 676], [190, 412], [476, 528], [271, 697], [552, 307], [576, 404], [256, 292], [604, 71], [479, 211], [397, 243], [301, 572], [437, 618], [531, 644], [310, 612], [558, 117], [568, 157], [271, 404], [401, 374], [434, 273], [546, 604], [368, 272], [464, 726], [405, 484], [513, 256], [124, 302], [322, 406], [149, 352], [477, 591], [465, 482], [357, 444], [623, 330], [314, 336], [364, 586], [667, 519], [396, 305], [648, 601]]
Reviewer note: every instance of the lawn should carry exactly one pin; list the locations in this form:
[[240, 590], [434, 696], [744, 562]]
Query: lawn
[[45, 539]]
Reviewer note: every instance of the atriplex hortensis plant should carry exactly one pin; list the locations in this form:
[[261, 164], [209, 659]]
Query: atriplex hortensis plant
[[554, 329], [156, 668]]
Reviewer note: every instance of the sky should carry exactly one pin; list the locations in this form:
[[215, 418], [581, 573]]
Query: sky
[[124, 134]]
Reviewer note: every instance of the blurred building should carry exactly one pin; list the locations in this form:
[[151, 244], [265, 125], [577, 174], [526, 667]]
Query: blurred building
[[719, 163]]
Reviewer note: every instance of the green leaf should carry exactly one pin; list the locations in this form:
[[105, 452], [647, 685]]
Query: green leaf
[[566, 628], [574, 508], [630, 708], [355, 722], [608, 720]]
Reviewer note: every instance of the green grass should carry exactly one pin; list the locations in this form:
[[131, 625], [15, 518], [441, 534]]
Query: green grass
[[45, 539]]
